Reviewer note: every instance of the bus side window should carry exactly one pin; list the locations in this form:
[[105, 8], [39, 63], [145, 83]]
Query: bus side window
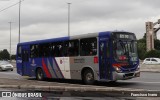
[[66, 48], [41, 50], [19, 52], [57, 49], [34, 51], [108, 50], [88, 46], [71, 48], [60, 46]]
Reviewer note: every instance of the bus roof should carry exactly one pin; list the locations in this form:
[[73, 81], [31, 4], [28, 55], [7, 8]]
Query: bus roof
[[70, 37], [45, 41]]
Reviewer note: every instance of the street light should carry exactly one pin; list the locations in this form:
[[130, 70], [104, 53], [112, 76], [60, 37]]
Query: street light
[[19, 20], [68, 19], [10, 39]]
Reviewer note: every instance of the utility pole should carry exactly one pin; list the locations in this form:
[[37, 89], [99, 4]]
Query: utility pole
[[19, 21], [69, 18], [10, 39]]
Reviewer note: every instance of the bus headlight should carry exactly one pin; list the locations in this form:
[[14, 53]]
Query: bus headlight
[[138, 68], [117, 69]]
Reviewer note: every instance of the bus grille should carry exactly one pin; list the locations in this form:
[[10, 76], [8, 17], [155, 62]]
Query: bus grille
[[128, 69], [129, 74]]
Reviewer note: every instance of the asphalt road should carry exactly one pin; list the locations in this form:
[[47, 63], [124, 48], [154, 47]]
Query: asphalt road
[[10, 74], [148, 80]]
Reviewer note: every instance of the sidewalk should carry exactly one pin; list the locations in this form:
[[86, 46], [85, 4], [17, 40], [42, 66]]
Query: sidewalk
[[149, 68]]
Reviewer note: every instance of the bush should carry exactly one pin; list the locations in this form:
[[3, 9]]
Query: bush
[[153, 53]]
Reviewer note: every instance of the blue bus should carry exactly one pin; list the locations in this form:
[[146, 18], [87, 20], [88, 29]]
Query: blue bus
[[103, 56]]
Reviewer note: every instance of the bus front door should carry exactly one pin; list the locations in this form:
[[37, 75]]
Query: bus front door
[[25, 62], [104, 62]]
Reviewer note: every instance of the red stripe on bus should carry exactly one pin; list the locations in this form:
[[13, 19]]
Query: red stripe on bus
[[45, 69]]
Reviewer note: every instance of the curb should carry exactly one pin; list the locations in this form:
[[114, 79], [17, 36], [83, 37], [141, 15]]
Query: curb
[[150, 71], [68, 88]]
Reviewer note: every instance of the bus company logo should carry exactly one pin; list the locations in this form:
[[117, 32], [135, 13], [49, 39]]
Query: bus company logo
[[33, 63], [19, 61], [6, 94]]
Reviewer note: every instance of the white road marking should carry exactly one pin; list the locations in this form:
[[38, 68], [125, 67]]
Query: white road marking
[[141, 82]]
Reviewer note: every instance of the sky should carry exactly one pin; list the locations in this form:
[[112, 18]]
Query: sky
[[45, 19]]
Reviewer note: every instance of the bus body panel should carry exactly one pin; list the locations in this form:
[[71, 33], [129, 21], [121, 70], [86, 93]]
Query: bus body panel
[[102, 64], [49, 65], [23, 67], [105, 55], [64, 67], [78, 63]]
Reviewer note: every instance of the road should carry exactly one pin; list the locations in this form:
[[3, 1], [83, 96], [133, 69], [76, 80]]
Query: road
[[10, 74], [149, 81]]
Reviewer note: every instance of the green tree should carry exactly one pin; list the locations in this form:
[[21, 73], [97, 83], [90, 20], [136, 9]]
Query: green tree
[[4, 55], [157, 44], [13, 57], [141, 48], [153, 53]]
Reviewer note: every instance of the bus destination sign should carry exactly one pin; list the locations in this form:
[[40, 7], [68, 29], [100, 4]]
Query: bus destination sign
[[125, 36]]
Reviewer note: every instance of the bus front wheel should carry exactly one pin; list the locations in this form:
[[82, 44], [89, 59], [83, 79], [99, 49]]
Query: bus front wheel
[[39, 74], [88, 77]]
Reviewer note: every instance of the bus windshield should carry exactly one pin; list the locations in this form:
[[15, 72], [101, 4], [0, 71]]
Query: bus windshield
[[125, 51]]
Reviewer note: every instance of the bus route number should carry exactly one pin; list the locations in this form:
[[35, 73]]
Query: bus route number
[[124, 36]]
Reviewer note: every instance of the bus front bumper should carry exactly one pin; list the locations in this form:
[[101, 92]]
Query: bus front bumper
[[125, 76]]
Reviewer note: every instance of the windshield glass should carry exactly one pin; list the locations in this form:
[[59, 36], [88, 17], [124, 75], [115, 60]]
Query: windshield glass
[[125, 51]]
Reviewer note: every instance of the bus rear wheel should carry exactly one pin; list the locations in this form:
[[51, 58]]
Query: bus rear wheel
[[88, 77], [39, 74]]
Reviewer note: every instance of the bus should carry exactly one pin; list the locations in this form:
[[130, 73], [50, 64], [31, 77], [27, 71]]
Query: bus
[[104, 56]]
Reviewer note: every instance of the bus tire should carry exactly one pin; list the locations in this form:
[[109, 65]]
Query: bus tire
[[88, 77], [39, 74]]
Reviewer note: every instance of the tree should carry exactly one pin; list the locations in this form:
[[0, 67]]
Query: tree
[[4, 55], [157, 44], [141, 48], [153, 53], [13, 57]]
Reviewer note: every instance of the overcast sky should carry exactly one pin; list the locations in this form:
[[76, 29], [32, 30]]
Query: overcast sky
[[43, 19]]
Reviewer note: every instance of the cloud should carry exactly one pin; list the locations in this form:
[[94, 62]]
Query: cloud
[[42, 19]]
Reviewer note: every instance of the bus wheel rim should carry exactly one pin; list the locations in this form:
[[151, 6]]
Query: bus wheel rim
[[40, 74], [89, 77]]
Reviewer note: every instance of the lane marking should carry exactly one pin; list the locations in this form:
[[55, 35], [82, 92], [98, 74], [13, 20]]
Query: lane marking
[[139, 82]]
